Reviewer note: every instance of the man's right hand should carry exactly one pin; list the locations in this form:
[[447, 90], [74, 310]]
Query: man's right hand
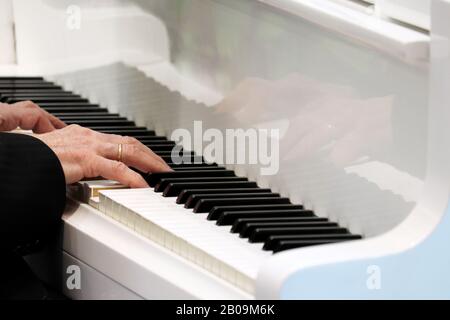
[[84, 153]]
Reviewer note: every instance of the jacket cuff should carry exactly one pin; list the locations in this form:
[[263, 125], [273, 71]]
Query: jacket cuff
[[32, 190]]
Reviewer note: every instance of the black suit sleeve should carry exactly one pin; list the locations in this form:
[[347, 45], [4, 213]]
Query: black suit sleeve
[[32, 191]]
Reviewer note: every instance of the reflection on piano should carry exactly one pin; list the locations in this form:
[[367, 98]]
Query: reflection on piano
[[270, 222], [362, 190]]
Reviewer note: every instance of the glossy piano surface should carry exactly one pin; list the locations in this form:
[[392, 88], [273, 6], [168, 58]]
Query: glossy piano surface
[[353, 119], [352, 106], [202, 216]]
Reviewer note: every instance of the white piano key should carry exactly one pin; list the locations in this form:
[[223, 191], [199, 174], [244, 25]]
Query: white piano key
[[187, 234]]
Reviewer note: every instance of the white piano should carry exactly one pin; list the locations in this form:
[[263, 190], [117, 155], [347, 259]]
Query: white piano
[[358, 91]]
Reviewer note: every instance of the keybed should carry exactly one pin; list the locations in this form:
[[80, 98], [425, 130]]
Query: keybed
[[201, 211]]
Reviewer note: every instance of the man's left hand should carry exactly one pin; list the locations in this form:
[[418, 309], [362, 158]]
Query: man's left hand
[[27, 116]]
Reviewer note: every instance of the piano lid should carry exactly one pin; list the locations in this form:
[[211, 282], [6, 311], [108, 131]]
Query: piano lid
[[352, 116]]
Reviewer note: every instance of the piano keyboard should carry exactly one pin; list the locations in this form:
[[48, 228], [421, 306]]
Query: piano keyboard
[[203, 212]]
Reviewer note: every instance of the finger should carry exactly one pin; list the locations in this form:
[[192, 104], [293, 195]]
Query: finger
[[43, 125], [115, 139], [118, 171], [31, 117], [8, 123], [134, 156], [149, 154], [35, 122], [57, 123]]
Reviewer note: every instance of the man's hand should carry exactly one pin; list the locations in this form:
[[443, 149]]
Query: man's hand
[[84, 153], [27, 116]]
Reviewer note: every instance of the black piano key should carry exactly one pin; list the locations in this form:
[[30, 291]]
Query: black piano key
[[128, 128], [241, 222], [189, 157], [87, 116], [188, 161], [286, 245], [200, 162], [24, 81], [90, 115], [164, 144], [257, 210], [42, 100], [249, 228], [154, 178], [132, 132], [193, 166], [146, 137], [7, 92], [261, 234], [21, 79], [28, 86], [231, 217], [68, 105], [24, 95], [94, 110], [165, 182], [272, 241], [174, 189], [204, 168], [126, 132], [185, 194], [151, 139], [101, 123], [197, 161], [159, 153], [157, 142], [207, 205], [193, 200], [18, 78], [4, 96], [167, 158], [169, 153], [160, 147], [231, 201]]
